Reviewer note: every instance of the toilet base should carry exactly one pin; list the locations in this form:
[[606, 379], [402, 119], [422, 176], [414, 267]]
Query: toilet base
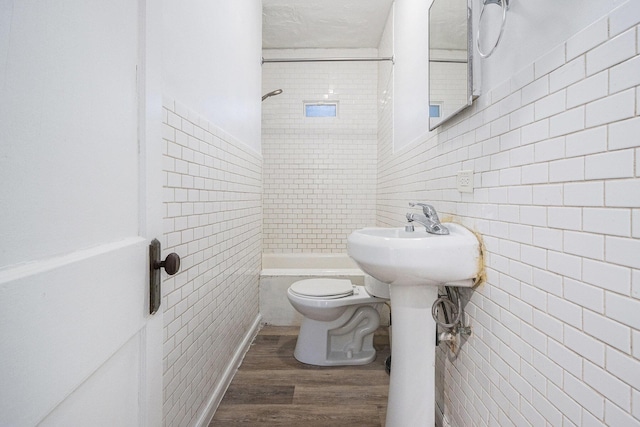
[[347, 340]]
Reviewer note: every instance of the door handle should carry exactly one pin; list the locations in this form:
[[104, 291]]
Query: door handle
[[171, 265]]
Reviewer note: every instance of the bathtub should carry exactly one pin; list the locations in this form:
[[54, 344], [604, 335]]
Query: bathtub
[[279, 271]]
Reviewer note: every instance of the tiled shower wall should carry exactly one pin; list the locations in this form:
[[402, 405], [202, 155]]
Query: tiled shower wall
[[556, 156], [319, 173], [212, 201]]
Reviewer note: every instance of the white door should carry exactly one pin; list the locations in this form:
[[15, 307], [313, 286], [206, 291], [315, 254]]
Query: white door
[[79, 202]]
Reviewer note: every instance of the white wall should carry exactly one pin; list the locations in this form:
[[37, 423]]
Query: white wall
[[517, 47], [319, 173], [212, 197], [554, 149], [411, 70], [211, 62], [532, 28]]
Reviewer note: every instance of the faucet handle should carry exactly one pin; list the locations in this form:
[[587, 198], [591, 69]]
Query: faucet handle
[[428, 210]]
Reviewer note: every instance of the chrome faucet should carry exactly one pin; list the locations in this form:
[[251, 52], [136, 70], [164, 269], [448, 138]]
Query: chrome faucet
[[429, 219]]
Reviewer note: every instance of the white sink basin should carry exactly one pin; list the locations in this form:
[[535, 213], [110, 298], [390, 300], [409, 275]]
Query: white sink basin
[[399, 257], [413, 264]]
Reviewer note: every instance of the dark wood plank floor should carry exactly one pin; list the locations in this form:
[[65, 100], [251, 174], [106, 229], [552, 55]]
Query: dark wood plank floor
[[272, 388]]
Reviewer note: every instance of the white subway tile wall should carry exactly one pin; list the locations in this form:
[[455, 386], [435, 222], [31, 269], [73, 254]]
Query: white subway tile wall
[[212, 219], [319, 172], [556, 328]]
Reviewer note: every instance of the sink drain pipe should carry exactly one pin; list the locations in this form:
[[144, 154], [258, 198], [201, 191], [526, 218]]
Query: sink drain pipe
[[452, 319]]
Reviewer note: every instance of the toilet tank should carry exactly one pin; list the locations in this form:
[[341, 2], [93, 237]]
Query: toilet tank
[[375, 287]]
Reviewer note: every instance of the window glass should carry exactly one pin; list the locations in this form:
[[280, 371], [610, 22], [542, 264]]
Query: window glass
[[320, 109], [434, 110]]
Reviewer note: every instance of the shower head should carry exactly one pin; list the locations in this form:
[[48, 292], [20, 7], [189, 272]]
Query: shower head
[[497, 2], [272, 93]]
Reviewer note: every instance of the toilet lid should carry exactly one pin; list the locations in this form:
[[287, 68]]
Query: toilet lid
[[323, 288]]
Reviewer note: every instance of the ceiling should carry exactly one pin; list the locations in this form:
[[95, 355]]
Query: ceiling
[[289, 24]]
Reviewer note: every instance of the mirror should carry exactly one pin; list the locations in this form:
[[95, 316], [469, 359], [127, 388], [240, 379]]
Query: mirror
[[450, 65]]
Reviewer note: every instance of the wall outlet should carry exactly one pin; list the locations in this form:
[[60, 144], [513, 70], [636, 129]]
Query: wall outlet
[[464, 181]]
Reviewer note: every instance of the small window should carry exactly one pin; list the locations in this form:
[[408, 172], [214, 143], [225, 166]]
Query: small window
[[320, 109], [434, 110]]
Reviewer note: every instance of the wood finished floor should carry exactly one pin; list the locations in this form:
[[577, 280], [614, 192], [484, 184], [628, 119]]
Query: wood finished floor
[[272, 388]]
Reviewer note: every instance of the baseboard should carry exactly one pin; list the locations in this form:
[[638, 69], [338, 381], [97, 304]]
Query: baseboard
[[441, 418], [227, 377]]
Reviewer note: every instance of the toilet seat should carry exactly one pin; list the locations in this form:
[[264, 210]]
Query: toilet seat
[[322, 288]]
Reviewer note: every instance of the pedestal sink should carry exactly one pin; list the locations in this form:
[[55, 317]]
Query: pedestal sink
[[414, 263]]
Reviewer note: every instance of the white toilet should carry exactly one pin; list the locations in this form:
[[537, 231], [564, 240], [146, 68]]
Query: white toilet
[[339, 320]]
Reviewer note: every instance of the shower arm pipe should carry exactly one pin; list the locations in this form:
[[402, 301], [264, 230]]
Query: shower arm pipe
[[353, 59]]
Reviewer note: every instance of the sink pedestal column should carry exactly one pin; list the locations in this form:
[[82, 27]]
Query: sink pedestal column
[[412, 382]]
